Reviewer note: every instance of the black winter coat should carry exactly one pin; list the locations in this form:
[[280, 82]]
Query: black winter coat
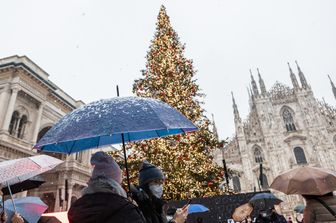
[[274, 218], [151, 207], [104, 208]]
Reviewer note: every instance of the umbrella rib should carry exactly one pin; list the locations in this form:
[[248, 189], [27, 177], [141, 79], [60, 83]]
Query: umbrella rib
[[157, 133], [73, 144], [157, 116]]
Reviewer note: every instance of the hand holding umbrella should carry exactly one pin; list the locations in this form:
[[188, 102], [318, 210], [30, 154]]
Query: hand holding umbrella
[[30, 208]]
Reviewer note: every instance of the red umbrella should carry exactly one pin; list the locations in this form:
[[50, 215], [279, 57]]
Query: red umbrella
[[19, 170]]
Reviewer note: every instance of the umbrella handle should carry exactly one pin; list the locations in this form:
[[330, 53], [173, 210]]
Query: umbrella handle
[[11, 196], [125, 157]]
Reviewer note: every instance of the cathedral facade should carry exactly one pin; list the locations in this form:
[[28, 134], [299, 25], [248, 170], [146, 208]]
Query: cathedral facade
[[287, 127], [29, 105]]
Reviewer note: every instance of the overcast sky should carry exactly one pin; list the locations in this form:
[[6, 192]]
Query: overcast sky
[[89, 46]]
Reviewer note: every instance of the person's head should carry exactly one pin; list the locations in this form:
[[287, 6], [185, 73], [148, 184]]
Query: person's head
[[151, 178], [105, 166], [265, 213]]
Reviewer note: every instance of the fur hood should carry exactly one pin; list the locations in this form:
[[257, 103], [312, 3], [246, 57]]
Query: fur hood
[[104, 185]]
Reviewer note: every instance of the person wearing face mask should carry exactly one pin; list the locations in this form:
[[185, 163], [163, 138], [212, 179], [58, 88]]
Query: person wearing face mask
[[104, 200], [149, 196], [270, 216]]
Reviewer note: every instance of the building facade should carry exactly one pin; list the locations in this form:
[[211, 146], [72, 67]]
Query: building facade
[[29, 105], [286, 127]]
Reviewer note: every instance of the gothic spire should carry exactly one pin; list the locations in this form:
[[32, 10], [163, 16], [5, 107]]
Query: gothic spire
[[214, 130], [333, 87], [261, 84], [293, 78], [254, 85], [235, 109], [302, 77]]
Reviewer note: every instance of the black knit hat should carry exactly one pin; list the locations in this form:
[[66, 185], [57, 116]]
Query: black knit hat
[[148, 172]]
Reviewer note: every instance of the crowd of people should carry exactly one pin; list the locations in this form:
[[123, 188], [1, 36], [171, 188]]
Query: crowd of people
[[145, 205]]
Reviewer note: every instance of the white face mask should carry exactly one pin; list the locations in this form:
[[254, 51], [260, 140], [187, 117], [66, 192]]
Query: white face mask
[[156, 189]]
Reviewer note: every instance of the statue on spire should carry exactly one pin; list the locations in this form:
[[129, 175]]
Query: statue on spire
[[332, 86], [302, 77], [254, 85], [235, 109], [261, 84], [293, 78]]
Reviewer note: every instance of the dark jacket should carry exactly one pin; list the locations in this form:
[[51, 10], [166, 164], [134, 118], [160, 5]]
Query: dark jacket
[[273, 218], [151, 207], [315, 212], [104, 201], [104, 208]]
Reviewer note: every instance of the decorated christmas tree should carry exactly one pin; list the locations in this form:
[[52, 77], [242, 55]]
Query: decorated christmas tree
[[185, 159]]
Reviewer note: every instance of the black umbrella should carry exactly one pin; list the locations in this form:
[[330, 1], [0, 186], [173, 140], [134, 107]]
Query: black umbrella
[[265, 200], [31, 183]]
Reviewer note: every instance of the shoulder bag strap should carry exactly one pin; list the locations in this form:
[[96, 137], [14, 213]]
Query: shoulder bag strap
[[326, 206]]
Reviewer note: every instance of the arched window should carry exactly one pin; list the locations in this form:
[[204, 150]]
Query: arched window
[[14, 122], [22, 126], [236, 184], [264, 185], [43, 132], [258, 155], [299, 155], [288, 120]]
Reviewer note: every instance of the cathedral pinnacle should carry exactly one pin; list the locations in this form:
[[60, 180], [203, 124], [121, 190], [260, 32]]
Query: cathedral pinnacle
[[302, 77], [235, 109], [293, 78], [332, 86], [261, 83], [214, 130], [254, 85]]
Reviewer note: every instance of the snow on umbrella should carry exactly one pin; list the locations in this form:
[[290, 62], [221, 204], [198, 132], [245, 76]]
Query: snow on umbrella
[[104, 122], [30, 208], [19, 170], [113, 121]]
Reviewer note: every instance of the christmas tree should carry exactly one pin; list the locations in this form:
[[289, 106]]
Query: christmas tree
[[185, 159]]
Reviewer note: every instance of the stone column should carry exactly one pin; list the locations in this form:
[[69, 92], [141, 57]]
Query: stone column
[[57, 201], [69, 195], [2, 102], [38, 122], [10, 109]]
